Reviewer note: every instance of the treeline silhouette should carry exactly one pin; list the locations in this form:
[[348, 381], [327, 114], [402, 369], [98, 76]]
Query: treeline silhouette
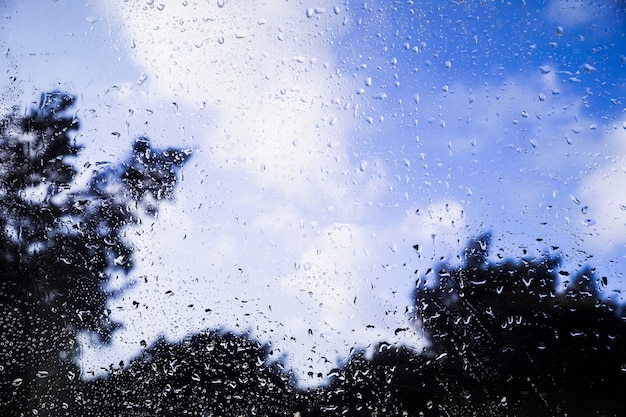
[[503, 343], [503, 340]]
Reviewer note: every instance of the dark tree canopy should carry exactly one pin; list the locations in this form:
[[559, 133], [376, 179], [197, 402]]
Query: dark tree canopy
[[60, 242], [521, 346], [211, 373], [504, 342]]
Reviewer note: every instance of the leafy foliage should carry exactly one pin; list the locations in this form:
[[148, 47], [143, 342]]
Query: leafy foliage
[[518, 344], [503, 343], [208, 374], [58, 245]]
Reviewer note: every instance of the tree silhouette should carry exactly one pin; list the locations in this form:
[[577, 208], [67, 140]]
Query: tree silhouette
[[210, 374], [520, 345], [59, 245], [504, 342]]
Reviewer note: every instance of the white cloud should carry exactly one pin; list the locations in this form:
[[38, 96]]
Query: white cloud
[[272, 231], [265, 72], [602, 200], [313, 290]]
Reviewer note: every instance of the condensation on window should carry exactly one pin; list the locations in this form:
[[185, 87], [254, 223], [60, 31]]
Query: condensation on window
[[312, 209]]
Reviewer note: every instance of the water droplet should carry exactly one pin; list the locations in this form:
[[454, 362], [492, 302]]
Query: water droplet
[[220, 40], [559, 31], [588, 68], [17, 382], [589, 222], [42, 374], [221, 3], [448, 64], [310, 12], [545, 69]]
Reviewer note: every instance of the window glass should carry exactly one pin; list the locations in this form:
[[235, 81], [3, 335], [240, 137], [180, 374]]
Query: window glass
[[312, 208]]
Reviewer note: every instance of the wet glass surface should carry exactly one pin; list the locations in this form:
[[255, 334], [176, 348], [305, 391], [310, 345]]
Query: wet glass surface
[[302, 209]]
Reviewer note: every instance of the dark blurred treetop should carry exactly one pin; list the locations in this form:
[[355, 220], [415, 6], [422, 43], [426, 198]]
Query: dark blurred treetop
[[208, 374], [59, 242], [503, 342], [505, 329]]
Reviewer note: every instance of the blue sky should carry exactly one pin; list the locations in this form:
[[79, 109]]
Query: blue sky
[[331, 137]]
